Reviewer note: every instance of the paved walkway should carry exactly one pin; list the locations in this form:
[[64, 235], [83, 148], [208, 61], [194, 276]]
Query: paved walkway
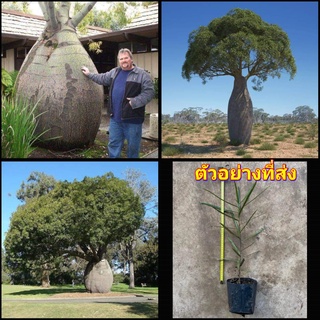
[[114, 299]]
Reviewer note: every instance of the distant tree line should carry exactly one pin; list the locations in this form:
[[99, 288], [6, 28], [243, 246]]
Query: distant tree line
[[301, 114]]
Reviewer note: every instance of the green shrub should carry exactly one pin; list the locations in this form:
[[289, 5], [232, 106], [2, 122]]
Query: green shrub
[[255, 141], [171, 150], [170, 139], [299, 140], [221, 139], [279, 138], [267, 146], [240, 152], [312, 131], [310, 145]]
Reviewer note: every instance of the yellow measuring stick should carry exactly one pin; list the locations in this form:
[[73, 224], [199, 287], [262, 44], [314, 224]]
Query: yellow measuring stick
[[222, 235]]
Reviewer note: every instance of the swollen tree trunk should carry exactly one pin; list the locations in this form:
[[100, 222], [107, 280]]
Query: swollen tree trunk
[[240, 113], [69, 103], [98, 277]]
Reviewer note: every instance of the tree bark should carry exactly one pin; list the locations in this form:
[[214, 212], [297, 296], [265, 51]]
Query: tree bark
[[240, 113], [131, 267], [69, 104], [45, 281], [98, 277]]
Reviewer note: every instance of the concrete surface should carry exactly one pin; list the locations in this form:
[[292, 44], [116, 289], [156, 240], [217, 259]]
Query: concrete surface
[[279, 256], [114, 299]]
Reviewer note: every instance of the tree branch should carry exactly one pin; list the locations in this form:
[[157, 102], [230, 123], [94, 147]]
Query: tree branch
[[82, 13], [51, 14], [64, 12], [44, 10], [94, 252]]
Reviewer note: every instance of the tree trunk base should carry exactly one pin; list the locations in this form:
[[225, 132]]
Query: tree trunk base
[[98, 277], [240, 113]]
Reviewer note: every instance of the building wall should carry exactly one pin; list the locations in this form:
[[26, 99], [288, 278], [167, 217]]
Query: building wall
[[279, 256], [8, 62], [148, 61]]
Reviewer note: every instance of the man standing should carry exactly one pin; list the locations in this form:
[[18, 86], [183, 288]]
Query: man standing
[[131, 88]]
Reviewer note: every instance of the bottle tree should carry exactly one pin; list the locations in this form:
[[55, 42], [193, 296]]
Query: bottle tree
[[244, 46], [69, 104]]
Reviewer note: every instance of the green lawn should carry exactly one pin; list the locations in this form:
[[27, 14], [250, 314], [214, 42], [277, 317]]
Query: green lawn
[[34, 309]]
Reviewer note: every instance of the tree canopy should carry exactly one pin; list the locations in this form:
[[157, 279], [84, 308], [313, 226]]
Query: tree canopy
[[75, 219], [239, 44]]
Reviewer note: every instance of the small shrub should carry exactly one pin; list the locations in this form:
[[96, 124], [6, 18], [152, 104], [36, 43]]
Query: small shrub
[[204, 141], [267, 146], [299, 140], [240, 152], [255, 141], [247, 156], [312, 131], [170, 139], [221, 139], [171, 150], [310, 145], [279, 138]]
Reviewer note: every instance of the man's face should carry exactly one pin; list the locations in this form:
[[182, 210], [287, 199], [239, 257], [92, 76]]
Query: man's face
[[126, 63]]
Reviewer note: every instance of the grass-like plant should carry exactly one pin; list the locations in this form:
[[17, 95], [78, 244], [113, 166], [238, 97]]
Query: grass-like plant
[[267, 146], [18, 125], [239, 239]]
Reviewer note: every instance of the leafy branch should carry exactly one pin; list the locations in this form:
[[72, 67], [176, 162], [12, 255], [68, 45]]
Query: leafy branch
[[237, 239]]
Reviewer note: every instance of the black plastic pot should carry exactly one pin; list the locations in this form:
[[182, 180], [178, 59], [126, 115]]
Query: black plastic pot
[[242, 296]]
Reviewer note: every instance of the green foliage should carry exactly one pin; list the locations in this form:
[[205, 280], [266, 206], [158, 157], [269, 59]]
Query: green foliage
[[6, 80], [22, 6], [241, 40], [168, 150], [38, 184], [267, 146], [95, 46], [115, 18], [238, 239], [18, 125], [221, 139], [310, 145], [77, 219]]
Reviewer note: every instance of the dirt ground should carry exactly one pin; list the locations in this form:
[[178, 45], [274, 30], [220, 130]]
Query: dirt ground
[[199, 142], [98, 150], [284, 150]]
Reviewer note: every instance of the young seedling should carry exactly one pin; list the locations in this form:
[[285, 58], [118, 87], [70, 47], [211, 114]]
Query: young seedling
[[238, 240]]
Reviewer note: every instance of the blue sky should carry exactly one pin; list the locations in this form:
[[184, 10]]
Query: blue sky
[[14, 173], [279, 96]]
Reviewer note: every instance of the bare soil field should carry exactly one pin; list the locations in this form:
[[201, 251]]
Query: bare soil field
[[267, 141]]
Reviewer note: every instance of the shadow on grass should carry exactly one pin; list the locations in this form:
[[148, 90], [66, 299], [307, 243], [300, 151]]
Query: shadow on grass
[[150, 310], [46, 291]]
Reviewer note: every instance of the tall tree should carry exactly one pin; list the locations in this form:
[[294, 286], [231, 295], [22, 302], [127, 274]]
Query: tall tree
[[240, 45], [146, 193], [77, 219], [303, 114], [38, 184], [69, 104]]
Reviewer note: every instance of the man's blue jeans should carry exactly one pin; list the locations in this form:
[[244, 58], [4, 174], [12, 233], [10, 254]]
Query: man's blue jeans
[[120, 131]]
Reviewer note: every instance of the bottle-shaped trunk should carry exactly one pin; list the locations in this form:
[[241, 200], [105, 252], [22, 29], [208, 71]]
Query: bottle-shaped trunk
[[98, 277], [240, 113], [69, 103]]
